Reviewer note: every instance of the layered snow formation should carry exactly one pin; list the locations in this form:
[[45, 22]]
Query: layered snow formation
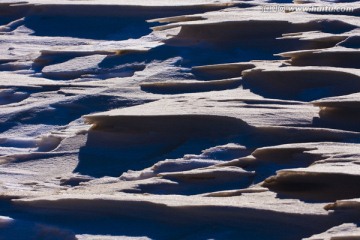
[[184, 119]]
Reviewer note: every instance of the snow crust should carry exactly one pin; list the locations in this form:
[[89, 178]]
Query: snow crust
[[178, 120]]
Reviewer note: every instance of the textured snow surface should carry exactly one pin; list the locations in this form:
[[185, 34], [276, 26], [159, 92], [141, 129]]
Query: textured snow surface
[[184, 119]]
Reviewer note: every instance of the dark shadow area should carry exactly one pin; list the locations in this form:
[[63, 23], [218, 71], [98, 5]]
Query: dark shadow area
[[6, 61], [189, 87], [345, 59], [351, 42], [302, 84], [8, 96], [10, 12], [220, 71], [139, 142], [315, 187], [281, 1], [109, 28], [338, 119], [332, 26], [157, 221], [6, 20]]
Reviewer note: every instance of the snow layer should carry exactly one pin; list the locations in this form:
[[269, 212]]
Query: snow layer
[[178, 120]]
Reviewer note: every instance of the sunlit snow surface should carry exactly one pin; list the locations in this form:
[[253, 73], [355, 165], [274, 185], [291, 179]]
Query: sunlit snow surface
[[179, 120]]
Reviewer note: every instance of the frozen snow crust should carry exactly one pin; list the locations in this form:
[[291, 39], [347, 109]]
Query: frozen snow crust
[[185, 119]]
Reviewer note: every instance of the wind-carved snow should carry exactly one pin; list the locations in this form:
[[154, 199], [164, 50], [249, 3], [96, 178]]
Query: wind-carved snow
[[178, 119]]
